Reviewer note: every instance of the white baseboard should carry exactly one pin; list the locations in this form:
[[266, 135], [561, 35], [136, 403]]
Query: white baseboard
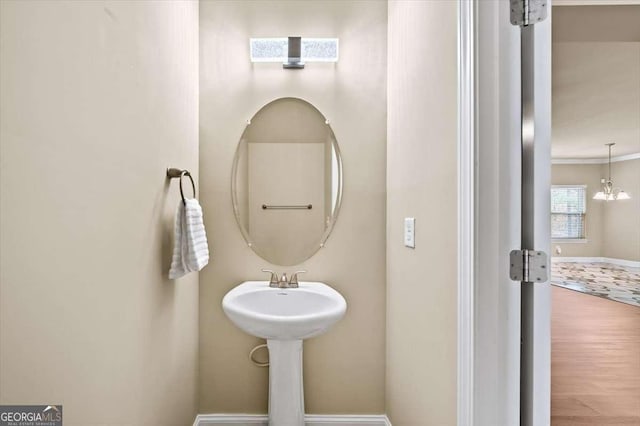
[[576, 259], [619, 262], [309, 419], [622, 262]]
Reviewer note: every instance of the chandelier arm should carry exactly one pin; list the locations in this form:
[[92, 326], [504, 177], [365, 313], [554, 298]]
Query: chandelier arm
[[610, 162]]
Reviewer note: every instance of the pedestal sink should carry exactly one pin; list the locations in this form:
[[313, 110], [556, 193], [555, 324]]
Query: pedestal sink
[[284, 316]]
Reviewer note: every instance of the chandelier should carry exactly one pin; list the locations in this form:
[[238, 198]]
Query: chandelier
[[609, 193]]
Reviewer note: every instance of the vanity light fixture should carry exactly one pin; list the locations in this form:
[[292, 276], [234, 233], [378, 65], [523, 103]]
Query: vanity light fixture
[[608, 191], [293, 52]]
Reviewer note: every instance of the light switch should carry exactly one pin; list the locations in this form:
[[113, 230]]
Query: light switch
[[410, 232]]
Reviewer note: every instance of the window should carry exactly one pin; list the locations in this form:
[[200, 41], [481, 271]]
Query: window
[[568, 208]]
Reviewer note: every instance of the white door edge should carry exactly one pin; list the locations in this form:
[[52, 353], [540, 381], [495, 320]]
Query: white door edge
[[466, 141]]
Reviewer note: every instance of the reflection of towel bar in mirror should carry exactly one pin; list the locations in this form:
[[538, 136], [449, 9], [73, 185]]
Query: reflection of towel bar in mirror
[[300, 207]]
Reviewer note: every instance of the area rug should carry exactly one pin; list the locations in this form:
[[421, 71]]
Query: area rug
[[614, 282]]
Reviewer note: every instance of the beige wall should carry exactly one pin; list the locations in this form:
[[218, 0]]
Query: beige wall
[[421, 183], [613, 228], [344, 369], [590, 175], [622, 218], [97, 99]]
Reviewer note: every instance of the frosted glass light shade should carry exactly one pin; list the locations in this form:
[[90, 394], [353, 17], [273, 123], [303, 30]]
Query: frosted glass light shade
[[600, 196], [320, 49], [274, 49], [268, 49], [623, 196]]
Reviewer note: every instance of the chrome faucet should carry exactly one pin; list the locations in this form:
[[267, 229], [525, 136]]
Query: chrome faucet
[[283, 282], [293, 282], [273, 281]]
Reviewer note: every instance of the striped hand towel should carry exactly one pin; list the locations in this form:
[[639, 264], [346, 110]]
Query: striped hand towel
[[190, 249]]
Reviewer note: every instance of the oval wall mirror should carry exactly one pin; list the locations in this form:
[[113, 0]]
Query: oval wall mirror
[[287, 181]]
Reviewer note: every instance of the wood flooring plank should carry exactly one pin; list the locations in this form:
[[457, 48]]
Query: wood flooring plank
[[595, 361]]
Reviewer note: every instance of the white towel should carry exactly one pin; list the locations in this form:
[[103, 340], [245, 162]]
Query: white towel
[[190, 249]]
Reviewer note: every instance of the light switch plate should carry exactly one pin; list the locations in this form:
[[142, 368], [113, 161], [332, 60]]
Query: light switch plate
[[410, 232]]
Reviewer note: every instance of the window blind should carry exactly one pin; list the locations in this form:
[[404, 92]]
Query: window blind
[[568, 209]]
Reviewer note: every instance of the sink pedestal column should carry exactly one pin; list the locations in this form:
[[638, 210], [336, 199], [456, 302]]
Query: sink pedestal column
[[286, 398]]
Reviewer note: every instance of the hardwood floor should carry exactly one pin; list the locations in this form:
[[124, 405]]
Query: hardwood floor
[[595, 361]]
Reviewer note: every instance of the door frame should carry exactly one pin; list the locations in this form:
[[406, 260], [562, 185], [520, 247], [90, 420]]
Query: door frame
[[488, 340], [488, 366]]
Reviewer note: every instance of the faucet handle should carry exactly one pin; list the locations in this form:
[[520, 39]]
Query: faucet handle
[[293, 282], [273, 281]]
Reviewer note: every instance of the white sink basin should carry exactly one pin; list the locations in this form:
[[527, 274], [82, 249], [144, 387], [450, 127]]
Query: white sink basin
[[284, 316], [284, 313]]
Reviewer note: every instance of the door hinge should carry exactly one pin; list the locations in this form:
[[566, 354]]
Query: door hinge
[[528, 266], [528, 12]]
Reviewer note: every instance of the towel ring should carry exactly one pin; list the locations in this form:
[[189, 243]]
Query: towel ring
[[193, 185], [177, 173]]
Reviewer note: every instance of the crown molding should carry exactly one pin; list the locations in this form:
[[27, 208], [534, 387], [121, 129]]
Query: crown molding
[[595, 2], [595, 160]]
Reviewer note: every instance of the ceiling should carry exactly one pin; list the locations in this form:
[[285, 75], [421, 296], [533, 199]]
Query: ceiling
[[596, 23], [596, 81]]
